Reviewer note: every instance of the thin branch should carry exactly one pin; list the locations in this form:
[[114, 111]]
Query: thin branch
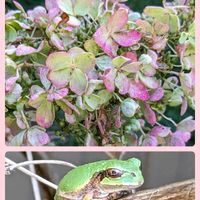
[[122, 154], [141, 130], [29, 173], [179, 7], [25, 119], [184, 190], [35, 185], [38, 162], [173, 50], [164, 116], [111, 155], [169, 72]]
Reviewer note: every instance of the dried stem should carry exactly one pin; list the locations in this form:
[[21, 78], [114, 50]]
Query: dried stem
[[184, 190], [35, 185], [31, 174], [38, 162]]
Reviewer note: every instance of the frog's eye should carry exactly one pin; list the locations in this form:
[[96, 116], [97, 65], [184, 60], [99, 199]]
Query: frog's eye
[[114, 173]]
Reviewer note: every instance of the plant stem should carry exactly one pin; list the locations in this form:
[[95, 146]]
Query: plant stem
[[143, 45], [33, 32], [25, 119], [122, 154], [143, 133], [43, 54], [167, 118], [170, 83], [36, 190], [174, 51], [31, 174], [117, 96], [38, 162], [170, 72], [173, 56]]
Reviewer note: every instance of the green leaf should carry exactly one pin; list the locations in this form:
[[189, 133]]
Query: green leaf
[[93, 85], [105, 96], [167, 16], [174, 23], [58, 61], [91, 46], [154, 11], [18, 139], [145, 26], [60, 65], [132, 67], [63, 106], [11, 34], [85, 62], [104, 62], [60, 78], [37, 102], [82, 7], [129, 107], [66, 6], [93, 102], [78, 82], [119, 61], [78, 7], [75, 51]]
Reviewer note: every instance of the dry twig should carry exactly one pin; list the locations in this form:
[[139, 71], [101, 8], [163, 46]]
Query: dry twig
[[184, 190]]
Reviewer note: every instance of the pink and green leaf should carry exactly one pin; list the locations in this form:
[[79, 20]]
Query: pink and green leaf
[[138, 91], [23, 49], [78, 82], [58, 94], [127, 38], [150, 82], [122, 83], [161, 131], [149, 114], [58, 61], [118, 20], [157, 94], [109, 79], [45, 114], [37, 136], [187, 125], [103, 39]]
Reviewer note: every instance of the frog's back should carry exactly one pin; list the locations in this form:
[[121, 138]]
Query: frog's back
[[77, 178]]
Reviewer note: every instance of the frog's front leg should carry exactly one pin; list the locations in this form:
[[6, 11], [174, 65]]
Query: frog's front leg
[[89, 196], [120, 195]]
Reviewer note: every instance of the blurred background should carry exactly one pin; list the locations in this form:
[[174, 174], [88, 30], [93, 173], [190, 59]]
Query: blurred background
[[137, 5], [159, 168]]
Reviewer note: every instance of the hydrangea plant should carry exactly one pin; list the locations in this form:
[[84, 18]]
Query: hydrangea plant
[[95, 72]]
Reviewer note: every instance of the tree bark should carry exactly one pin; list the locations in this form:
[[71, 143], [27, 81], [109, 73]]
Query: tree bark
[[184, 190]]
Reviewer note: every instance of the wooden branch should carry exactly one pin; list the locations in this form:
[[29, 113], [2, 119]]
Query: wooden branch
[[184, 190]]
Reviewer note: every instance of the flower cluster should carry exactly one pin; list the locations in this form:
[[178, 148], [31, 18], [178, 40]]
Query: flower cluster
[[94, 72]]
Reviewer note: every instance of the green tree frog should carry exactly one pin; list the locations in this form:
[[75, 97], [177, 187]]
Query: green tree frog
[[101, 180]]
